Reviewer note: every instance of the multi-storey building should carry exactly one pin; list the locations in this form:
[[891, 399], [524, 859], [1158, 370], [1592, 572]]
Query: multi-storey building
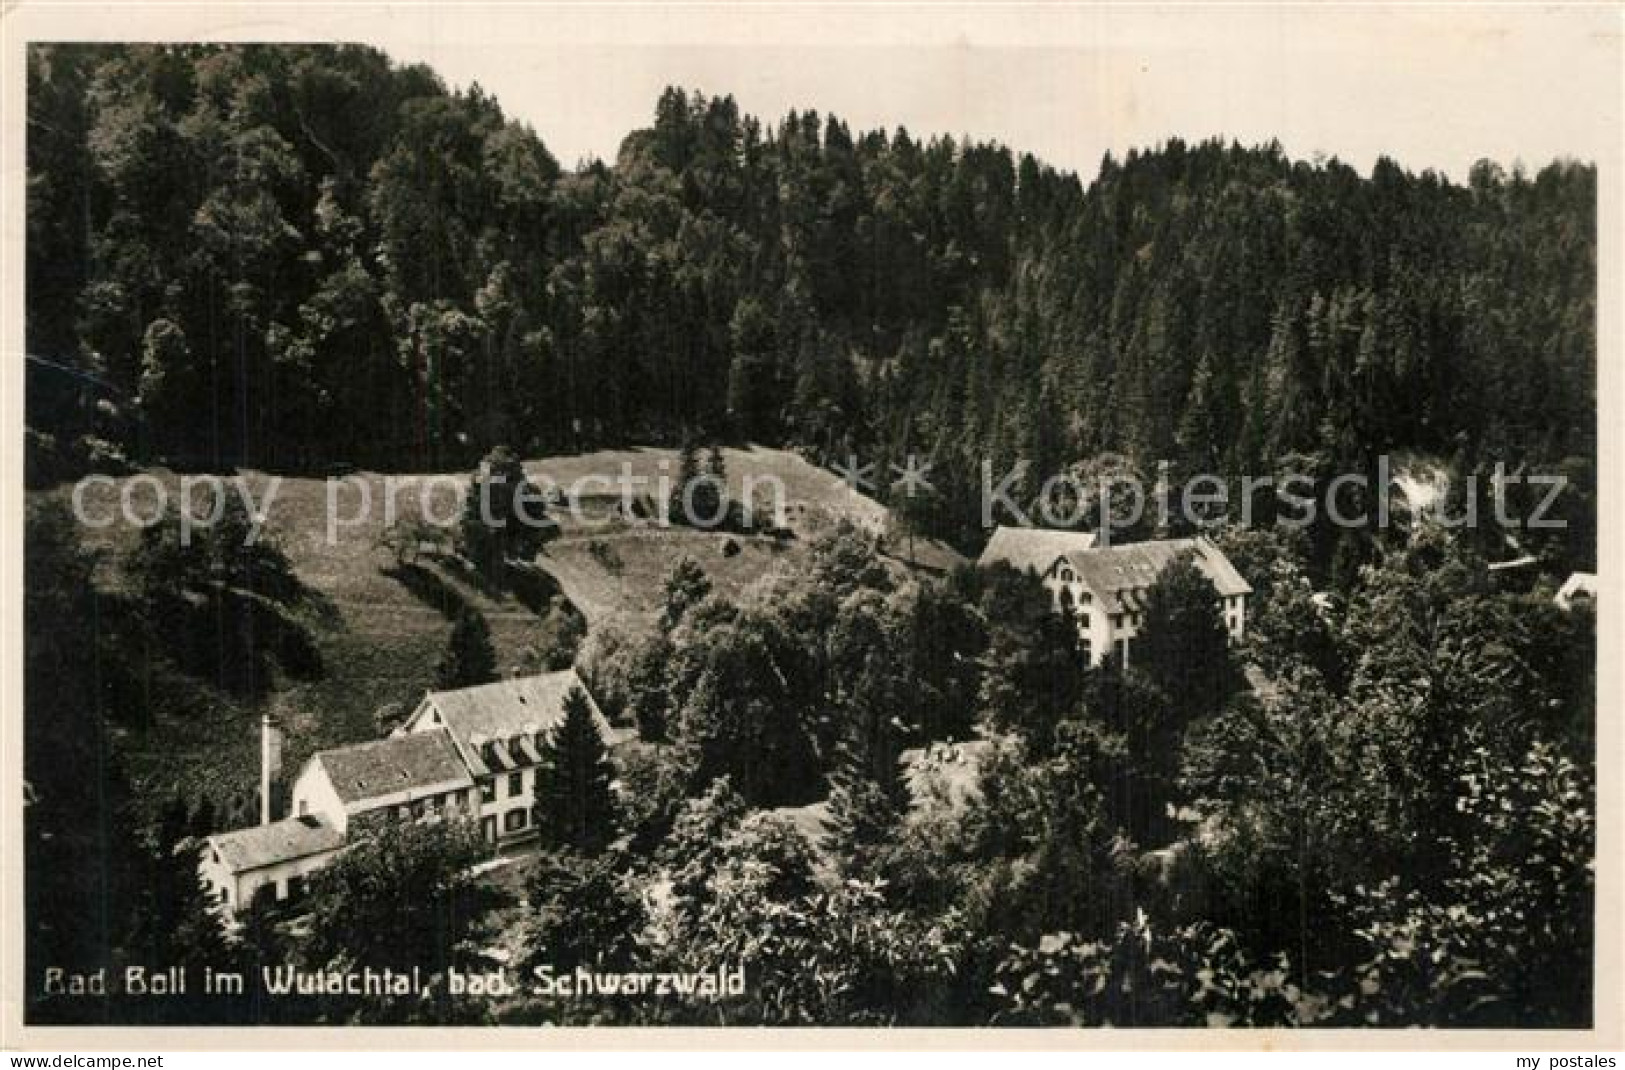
[[473, 751], [1104, 587]]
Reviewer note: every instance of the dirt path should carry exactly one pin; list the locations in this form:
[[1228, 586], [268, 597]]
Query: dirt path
[[575, 586]]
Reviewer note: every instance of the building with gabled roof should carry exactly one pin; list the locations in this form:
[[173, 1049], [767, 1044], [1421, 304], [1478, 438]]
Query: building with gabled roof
[[1032, 548], [409, 775], [499, 730], [271, 859], [475, 751], [1104, 587]]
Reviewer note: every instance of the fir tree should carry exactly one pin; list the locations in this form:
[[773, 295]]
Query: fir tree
[[712, 507], [469, 658], [688, 471], [870, 796], [503, 515], [686, 586], [575, 809], [203, 821], [1183, 646], [716, 465]]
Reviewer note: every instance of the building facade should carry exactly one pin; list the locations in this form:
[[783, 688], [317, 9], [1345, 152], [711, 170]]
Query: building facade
[[272, 860], [386, 779], [1103, 588], [472, 752], [498, 730]]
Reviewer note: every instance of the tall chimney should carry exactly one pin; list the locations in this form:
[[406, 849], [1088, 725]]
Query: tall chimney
[[265, 768]]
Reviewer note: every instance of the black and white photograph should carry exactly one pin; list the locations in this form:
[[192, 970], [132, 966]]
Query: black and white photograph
[[1060, 519]]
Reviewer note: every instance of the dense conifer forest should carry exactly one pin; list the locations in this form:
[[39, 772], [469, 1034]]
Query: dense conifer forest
[[295, 257]]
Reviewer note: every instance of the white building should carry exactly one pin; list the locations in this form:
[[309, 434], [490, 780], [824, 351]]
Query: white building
[[498, 730], [394, 779], [277, 858], [473, 751], [1104, 588]]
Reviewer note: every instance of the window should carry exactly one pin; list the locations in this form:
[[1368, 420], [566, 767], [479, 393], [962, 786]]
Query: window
[[1066, 575], [516, 783], [1088, 652], [513, 821], [488, 791], [1117, 620]]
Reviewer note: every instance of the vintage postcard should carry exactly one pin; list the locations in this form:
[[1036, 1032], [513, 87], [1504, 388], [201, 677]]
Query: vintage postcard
[[1073, 525]]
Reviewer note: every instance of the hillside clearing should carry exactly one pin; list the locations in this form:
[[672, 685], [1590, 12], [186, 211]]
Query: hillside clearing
[[379, 625]]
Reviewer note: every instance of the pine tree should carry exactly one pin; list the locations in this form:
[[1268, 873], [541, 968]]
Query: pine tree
[[1183, 647], [716, 465], [686, 586], [173, 869], [575, 809], [469, 658], [711, 505], [203, 819], [870, 796], [199, 939], [688, 471], [863, 816], [503, 514]]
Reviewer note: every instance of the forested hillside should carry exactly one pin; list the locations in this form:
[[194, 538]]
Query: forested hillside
[[889, 796], [298, 256]]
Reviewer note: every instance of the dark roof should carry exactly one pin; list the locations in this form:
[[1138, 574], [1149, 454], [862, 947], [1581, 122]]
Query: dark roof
[[281, 841], [387, 767], [524, 705], [1118, 575], [1034, 548]]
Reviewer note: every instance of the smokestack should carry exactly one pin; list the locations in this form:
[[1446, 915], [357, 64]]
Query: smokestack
[[265, 768]]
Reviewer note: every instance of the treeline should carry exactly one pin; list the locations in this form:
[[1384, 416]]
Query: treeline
[[295, 256]]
